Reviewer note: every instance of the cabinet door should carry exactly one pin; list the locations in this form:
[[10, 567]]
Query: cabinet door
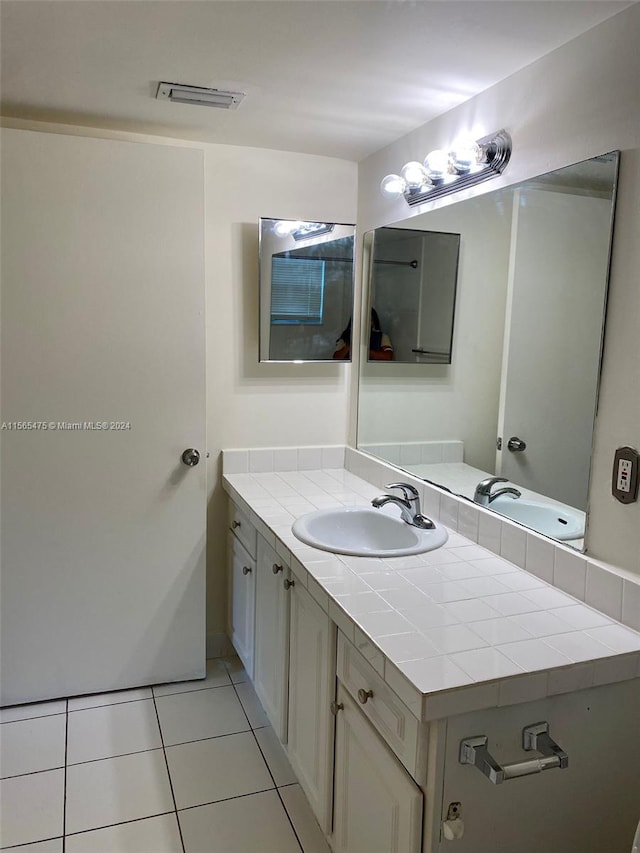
[[271, 659], [311, 688], [378, 807], [241, 602]]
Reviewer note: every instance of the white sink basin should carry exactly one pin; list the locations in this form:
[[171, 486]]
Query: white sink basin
[[365, 532], [555, 521]]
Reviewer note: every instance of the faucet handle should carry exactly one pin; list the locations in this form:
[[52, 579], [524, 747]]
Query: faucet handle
[[410, 492], [490, 482]]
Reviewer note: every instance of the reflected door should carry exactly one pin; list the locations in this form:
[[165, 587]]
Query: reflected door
[[553, 334]]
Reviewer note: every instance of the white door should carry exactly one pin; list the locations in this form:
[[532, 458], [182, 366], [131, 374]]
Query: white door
[[271, 658], [103, 529], [557, 284], [378, 807]]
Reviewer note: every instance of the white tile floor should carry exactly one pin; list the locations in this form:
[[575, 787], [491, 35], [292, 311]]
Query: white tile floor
[[179, 768]]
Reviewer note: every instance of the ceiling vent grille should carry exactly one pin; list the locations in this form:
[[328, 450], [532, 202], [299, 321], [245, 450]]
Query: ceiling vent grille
[[199, 96]]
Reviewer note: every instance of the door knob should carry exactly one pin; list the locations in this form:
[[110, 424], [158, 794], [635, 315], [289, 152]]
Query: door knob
[[191, 457], [276, 568], [516, 445]]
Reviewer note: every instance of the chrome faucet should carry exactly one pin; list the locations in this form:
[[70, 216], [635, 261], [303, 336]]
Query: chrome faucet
[[409, 505], [484, 496]]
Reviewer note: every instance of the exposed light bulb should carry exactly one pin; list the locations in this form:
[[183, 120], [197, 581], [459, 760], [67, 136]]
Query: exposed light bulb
[[465, 156], [437, 163], [284, 227], [415, 175], [393, 186]]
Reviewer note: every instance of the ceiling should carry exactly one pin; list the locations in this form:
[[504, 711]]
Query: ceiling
[[341, 78]]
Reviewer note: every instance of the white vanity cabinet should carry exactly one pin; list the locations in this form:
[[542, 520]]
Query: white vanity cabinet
[[378, 807], [311, 691], [241, 603], [381, 769], [271, 641]]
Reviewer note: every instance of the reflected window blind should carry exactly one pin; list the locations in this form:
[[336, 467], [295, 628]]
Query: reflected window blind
[[297, 290]]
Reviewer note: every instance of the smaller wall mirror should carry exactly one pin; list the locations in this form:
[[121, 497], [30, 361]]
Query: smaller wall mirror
[[412, 293], [306, 290]]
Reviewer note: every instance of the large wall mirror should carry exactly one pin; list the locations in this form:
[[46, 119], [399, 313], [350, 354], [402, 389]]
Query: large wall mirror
[[306, 290], [518, 399]]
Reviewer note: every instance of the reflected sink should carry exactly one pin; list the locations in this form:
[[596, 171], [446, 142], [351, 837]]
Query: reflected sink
[[364, 532], [555, 521]]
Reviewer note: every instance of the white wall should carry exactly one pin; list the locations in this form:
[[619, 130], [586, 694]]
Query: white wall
[[251, 404], [579, 101]]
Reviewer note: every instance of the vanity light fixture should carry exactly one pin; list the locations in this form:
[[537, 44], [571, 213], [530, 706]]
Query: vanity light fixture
[[445, 172], [199, 95], [302, 230]]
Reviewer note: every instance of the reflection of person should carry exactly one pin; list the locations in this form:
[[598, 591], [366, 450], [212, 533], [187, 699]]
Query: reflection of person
[[380, 348]]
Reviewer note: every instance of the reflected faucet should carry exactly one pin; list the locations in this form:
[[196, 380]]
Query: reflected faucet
[[484, 496], [409, 505]]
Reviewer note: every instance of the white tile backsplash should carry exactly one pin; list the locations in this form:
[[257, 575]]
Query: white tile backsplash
[[604, 590], [631, 603], [570, 572]]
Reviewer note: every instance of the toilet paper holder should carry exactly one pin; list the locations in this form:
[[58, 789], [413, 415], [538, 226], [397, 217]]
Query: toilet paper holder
[[474, 750]]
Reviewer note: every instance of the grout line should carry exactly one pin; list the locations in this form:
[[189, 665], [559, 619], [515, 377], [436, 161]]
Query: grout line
[[26, 844], [253, 732], [64, 801], [191, 690], [227, 799], [166, 761], [31, 773], [24, 719], [112, 757], [110, 825]]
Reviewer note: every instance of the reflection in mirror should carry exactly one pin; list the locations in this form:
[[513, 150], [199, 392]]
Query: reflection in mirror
[[518, 400], [412, 292], [306, 289]]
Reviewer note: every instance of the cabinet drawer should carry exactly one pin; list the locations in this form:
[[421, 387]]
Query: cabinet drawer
[[242, 528], [389, 715]]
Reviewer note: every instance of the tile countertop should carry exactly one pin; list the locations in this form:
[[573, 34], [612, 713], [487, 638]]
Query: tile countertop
[[451, 630]]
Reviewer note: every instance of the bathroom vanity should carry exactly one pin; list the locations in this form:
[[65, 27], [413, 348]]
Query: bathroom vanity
[[425, 755]]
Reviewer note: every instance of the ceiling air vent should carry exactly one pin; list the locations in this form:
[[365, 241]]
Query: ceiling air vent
[[199, 95]]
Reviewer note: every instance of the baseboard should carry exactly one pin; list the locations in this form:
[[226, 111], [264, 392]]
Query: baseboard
[[219, 646]]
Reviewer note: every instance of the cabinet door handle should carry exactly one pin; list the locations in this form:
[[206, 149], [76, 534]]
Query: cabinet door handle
[[246, 570], [235, 525], [276, 568], [364, 696], [288, 584], [335, 707], [474, 750]]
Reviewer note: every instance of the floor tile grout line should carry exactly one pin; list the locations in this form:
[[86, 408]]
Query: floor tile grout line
[[28, 719], [30, 773], [140, 751], [64, 801], [253, 732], [23, 845], [166, 761], [119, 823], [226, 799]]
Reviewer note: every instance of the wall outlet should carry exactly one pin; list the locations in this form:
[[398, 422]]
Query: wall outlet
[[624, 482]]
